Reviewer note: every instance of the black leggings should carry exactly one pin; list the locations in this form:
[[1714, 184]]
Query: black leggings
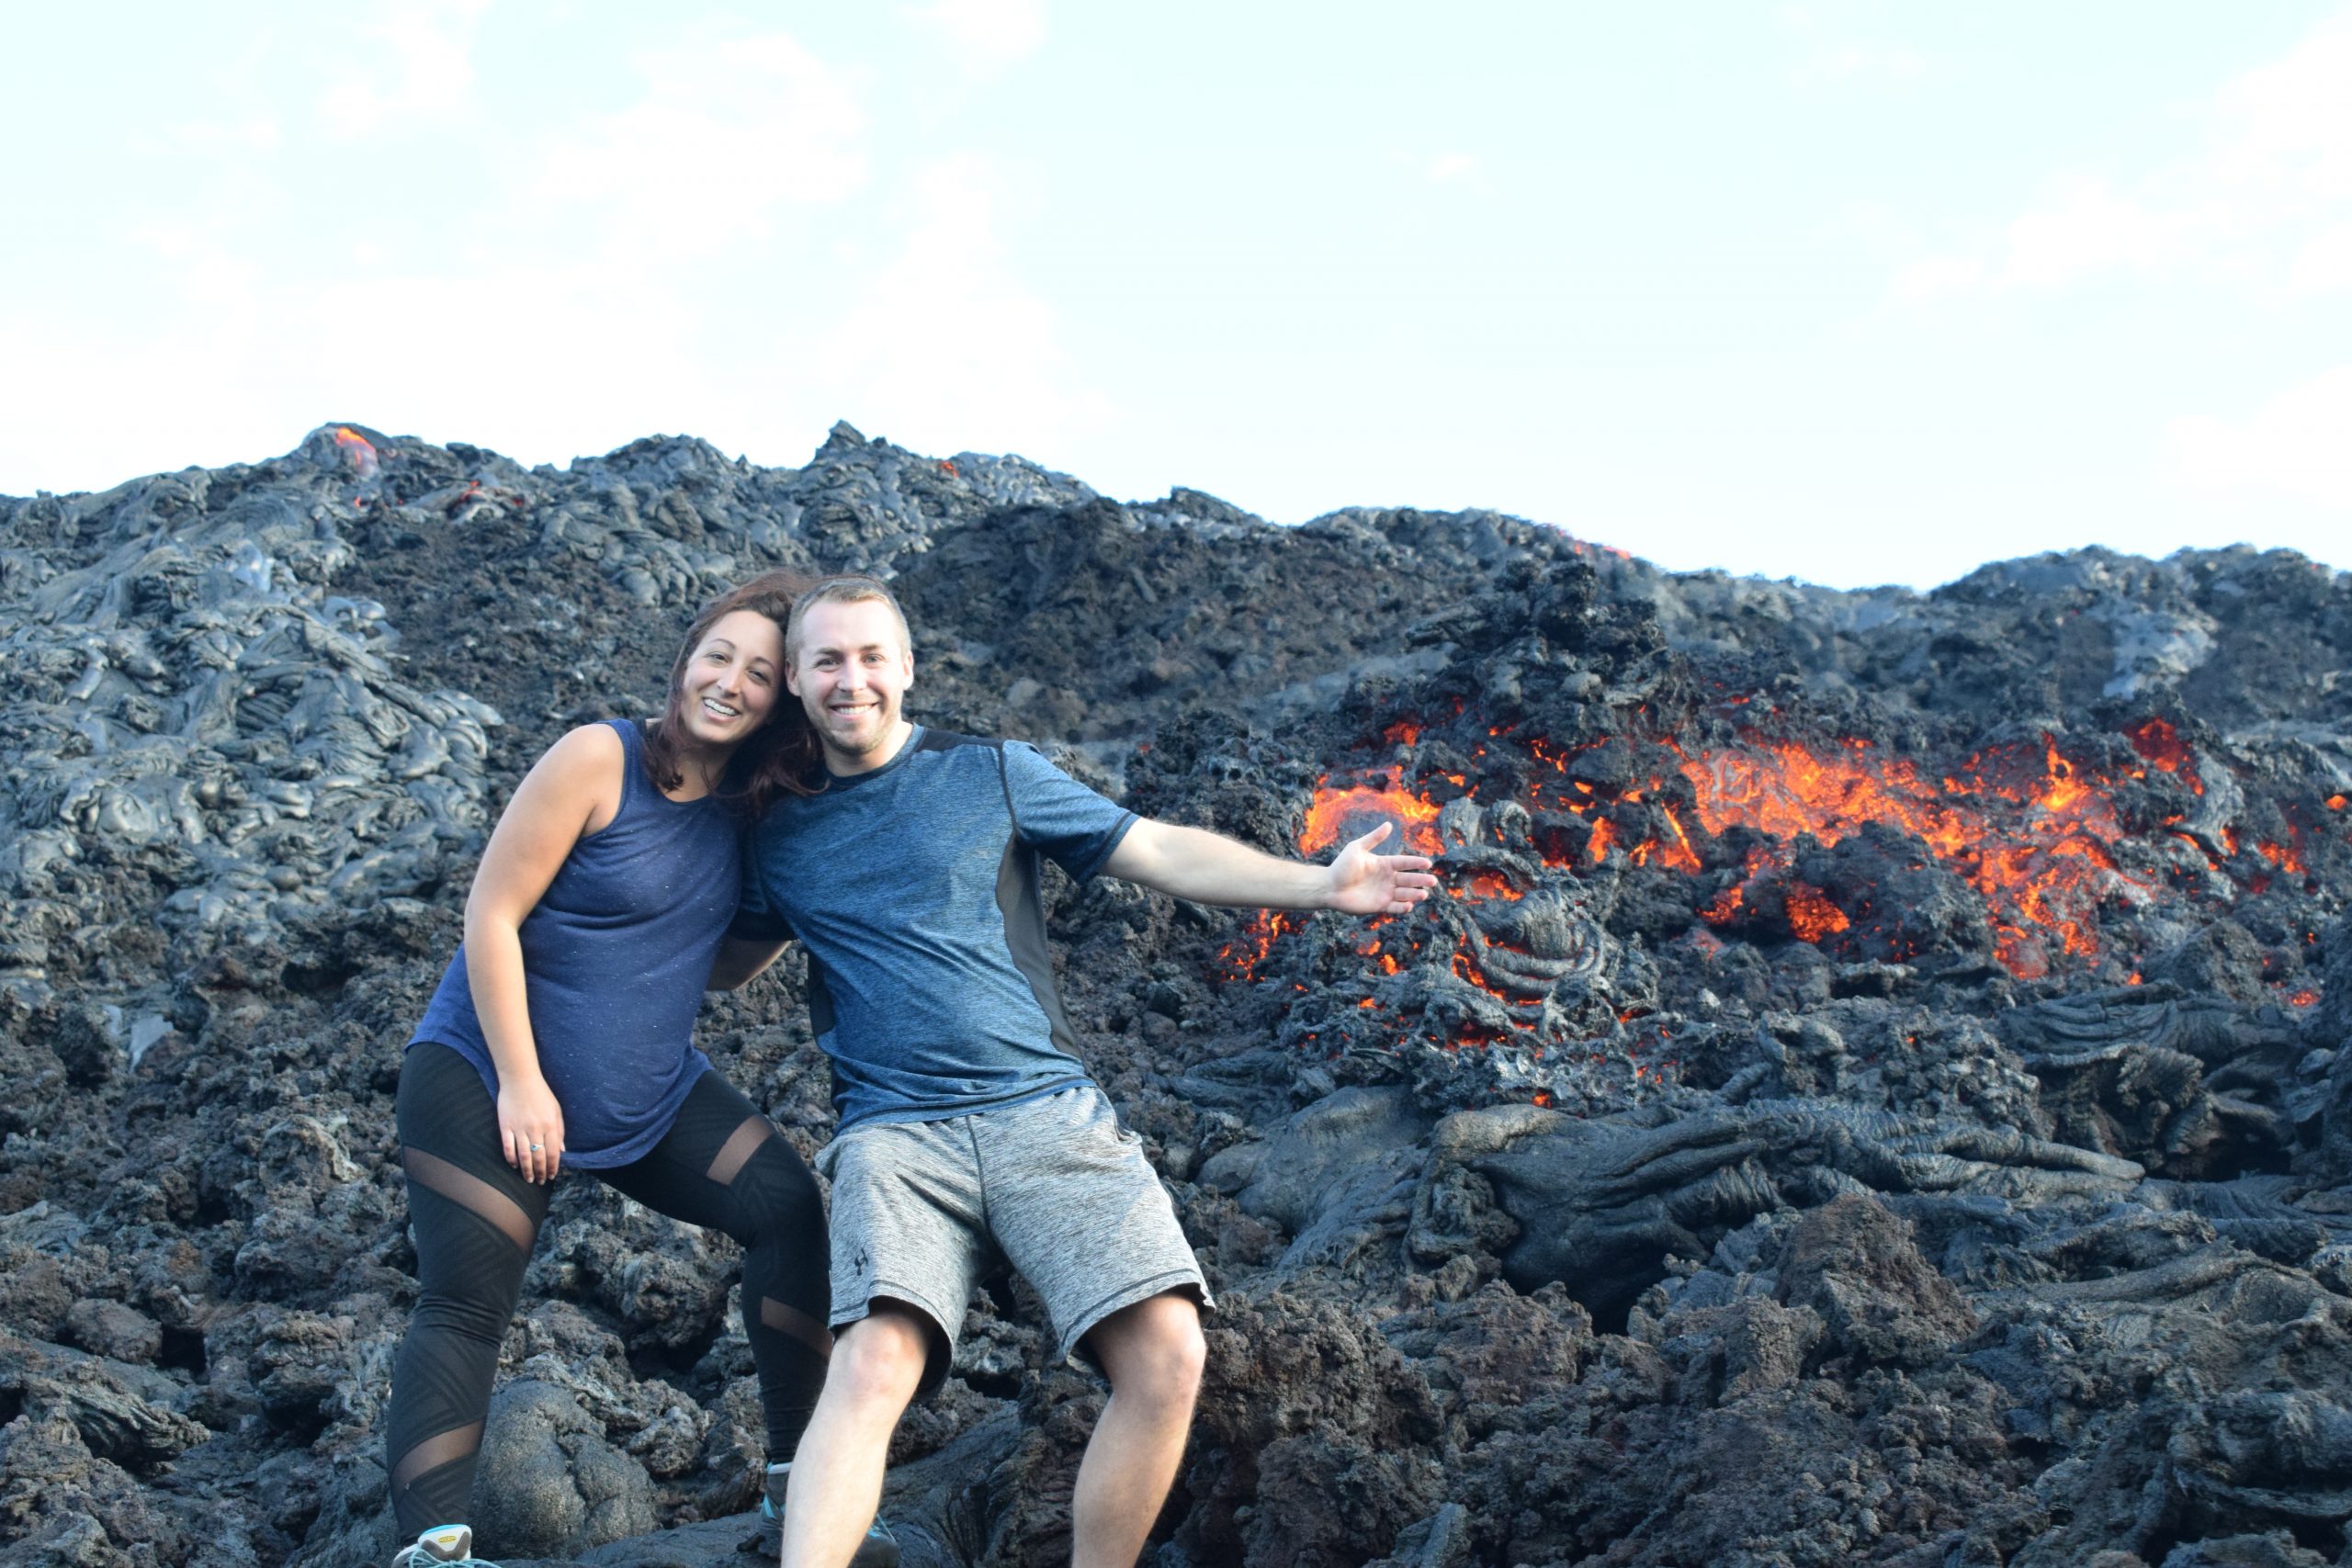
[[722, 1164]]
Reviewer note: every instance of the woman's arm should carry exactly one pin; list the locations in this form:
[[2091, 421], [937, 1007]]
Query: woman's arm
[[739, 958], [573, 790]]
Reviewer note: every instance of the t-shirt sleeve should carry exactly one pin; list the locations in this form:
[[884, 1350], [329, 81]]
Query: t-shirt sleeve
[[756, 918], [1062, 818]]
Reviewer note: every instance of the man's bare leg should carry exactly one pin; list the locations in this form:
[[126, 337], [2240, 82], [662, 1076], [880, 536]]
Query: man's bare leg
[[1153, 1352], [836, 1483]]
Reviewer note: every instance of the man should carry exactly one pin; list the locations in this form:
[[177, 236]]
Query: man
[[966, 1122]]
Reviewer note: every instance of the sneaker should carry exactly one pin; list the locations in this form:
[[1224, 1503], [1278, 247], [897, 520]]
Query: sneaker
[[879, 1550], [442, 1545]]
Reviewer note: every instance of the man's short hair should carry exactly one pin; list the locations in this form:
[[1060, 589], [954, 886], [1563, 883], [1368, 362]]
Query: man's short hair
[[847, 588]]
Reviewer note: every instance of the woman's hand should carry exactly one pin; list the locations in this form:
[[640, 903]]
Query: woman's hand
[[530, 1127]]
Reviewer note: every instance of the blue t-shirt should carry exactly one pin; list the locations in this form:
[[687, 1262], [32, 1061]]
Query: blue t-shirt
[[616, 954], [914, 889]]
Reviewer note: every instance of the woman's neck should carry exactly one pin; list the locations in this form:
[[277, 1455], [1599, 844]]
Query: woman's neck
[[699, 770]]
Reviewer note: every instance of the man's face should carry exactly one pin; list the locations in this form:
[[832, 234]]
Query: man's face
[[850, 668]]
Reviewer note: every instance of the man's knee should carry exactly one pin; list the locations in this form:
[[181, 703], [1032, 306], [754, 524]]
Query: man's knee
[[879, 1359], [1154, 1349]]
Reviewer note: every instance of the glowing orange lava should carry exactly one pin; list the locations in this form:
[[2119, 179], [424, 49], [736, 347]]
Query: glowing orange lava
[[1810, 914], [359, 449], [1361, 808], [2161, 745], [2283, 856], [2042, 872], [1491, 884], [1258, 940], [2029, 827], [1678, 855]]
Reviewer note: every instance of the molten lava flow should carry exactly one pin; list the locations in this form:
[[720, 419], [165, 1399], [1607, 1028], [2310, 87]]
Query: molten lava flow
[[2283, 856], [1258, 940], [1361, 808], [1810, 914], [2043, 869], [2032, 830], [359, 449], [1467, 970], [1678, 855], [2161, 745]]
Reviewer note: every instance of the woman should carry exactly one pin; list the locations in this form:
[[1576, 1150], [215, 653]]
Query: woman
[[561, 1035]]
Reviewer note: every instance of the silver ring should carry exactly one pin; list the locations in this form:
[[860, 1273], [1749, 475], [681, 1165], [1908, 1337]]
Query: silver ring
[[536, 1147]]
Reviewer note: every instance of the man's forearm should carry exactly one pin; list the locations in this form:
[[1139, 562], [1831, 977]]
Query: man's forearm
[[1207, 868]]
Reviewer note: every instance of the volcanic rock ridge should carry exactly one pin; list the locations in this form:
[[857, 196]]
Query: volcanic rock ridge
[[1872, 1087]]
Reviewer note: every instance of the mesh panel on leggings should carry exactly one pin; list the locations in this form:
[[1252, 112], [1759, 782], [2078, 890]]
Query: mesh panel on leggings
[[432, 1453], [741, 1145], [786, 1318], [473, 1192]]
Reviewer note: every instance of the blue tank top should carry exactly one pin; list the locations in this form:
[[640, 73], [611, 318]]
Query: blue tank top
[[615, 957]]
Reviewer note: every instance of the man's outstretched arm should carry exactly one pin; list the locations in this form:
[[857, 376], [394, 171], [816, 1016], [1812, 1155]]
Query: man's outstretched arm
[[1190, 862]]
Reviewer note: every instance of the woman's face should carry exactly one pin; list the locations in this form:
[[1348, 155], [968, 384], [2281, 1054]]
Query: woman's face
[[732, 680]]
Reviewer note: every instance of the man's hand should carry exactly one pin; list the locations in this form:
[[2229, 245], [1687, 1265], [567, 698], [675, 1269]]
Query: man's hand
[[1363, 882]]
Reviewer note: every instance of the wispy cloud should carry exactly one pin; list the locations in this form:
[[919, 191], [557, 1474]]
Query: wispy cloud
[[948, 335], [1830, 60], [1859, 63], [410, 61], [2266, 204], [255, 133], [724, 132], [2293, 445], [987, 34], [1449, 168], [2081, 229]]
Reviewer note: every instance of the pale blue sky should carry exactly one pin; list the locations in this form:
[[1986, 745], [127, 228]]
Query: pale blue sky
[[1856, 292]]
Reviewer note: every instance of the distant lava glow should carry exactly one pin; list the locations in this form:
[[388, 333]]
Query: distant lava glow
[[359, 449]]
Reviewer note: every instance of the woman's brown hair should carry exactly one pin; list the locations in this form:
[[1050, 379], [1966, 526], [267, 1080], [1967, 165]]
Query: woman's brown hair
[[780, 756]]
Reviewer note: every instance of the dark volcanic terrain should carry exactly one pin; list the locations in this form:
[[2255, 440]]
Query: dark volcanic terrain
[[1874, 1088]]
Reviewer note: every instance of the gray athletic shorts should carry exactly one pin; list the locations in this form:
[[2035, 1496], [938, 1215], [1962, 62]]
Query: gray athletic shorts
[[1054, 1186]]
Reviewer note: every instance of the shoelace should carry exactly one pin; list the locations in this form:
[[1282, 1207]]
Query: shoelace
[[421, 1552]]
